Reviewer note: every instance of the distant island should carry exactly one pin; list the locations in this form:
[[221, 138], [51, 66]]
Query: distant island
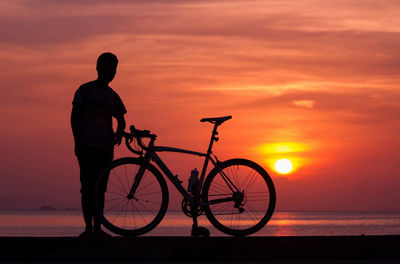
[[47, 208], [71, 209]]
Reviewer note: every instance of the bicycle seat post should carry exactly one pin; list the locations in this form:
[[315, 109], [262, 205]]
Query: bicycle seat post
[[209, 151], [214, 133]]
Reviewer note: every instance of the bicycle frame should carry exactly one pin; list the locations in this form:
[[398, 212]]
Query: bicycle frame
[[174, 179], [151, 154]]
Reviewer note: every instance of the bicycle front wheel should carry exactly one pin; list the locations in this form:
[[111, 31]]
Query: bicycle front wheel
[[130, 216], [240, 197]]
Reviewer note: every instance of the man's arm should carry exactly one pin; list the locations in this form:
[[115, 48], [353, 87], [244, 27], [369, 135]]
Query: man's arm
[[75, 116], [120, 129]]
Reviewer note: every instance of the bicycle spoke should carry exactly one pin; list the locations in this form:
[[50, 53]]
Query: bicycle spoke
[[254, 211], [117, 187], [216, 191], [265, 193], [122, 185], [255, 179], [126, 212], [142, 212], [257, 200], [259, 197], [222, 206], [143, 194], [220, 187], [247, 212], [232, 172], [115, 217], [236, 216], [231, 217], [126, 176], [222, 194], [133, 213], [144, 220], [249, 176], [115, 199], [115, 206], [235, 172], [117, 194], [239, 221], [235, 176], [135, 172], [144, 187], [226, 213], [147, 201]]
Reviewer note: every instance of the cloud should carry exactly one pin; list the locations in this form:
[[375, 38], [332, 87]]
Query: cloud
[[248, 44], [47, 31], [312, 72], [368, 106], [304, 103]]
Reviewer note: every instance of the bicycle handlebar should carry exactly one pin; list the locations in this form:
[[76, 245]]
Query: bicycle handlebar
[[138, 134]]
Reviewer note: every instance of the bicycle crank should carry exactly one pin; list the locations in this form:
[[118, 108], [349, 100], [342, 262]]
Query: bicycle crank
[[186, 209]]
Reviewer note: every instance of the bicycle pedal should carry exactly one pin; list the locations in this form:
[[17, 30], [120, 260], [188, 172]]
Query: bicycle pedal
[[200, 231]]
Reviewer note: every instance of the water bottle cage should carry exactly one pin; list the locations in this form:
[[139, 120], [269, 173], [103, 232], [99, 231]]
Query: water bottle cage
[[193, 181]]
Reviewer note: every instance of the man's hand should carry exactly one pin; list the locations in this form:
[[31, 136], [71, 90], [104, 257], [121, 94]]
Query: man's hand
[[120, 130], [118, 138]]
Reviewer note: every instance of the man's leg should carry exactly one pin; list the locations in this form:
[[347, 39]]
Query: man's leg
[[104, 158], [84, 165]]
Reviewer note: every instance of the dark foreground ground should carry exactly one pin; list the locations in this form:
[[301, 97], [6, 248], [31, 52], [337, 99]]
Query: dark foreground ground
[[329, 249]]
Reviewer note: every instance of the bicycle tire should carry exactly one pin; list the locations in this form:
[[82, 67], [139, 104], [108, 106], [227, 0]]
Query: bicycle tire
[[131, 217], [258, 203]]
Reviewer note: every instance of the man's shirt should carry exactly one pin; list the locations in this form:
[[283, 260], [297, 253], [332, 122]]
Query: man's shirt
[[97, 105]]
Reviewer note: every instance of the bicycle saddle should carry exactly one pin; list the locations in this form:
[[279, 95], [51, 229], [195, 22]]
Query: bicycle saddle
[[216, 120]]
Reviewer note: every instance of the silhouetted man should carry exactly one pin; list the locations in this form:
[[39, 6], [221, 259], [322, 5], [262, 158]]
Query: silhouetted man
[[94, 105]]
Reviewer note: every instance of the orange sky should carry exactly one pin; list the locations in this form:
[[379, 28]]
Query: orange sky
[[320, 77]]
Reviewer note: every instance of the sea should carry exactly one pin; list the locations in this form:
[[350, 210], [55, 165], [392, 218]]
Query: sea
[[70, 223]]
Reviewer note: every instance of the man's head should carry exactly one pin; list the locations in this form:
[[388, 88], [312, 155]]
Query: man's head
[[107, 66]]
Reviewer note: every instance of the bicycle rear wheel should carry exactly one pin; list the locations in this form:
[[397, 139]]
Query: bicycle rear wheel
[[249, 197], [135, 216]]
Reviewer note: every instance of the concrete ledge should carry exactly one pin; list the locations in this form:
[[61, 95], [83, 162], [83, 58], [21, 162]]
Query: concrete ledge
[[188, 248]]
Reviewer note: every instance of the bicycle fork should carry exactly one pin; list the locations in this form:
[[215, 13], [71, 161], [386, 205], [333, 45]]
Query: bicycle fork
[[140, 173]]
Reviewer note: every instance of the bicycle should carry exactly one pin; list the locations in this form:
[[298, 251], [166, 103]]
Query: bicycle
[[237, 196]]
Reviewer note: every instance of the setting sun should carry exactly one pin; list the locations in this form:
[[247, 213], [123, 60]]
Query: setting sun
[[286, 157], [283, 166]]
